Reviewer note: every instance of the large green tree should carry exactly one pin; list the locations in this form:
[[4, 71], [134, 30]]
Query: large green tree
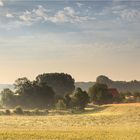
[[60, 82], [43, 95], [23, 86], [33, 94]]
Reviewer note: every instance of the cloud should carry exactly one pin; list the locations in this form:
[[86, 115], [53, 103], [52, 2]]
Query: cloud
[[128, 14], [33, 16], [26, 16], [123, 12], [9, 15], [1, 3], [68, 14], [79, 4], [41, 15], [41, 12]]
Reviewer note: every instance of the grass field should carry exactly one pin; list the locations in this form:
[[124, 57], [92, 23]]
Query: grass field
[[108, 122]]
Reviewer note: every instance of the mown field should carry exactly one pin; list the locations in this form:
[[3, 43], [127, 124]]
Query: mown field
[[108, 122]]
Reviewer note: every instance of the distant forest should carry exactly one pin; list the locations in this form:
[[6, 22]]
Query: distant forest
[[121, 86], [59, 90]]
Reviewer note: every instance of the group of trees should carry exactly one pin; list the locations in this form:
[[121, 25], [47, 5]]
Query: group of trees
[[78, 99], [131, 97], [57, 89], [121, 86], [50, 89], [99, 94], [40, 93], [60, 82]]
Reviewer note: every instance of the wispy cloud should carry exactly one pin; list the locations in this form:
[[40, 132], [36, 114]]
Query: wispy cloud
[[42, 14], [9, 15], [121, 11], [128, 14], [64, 33], [68, 14], [1, 3], [79, 4]]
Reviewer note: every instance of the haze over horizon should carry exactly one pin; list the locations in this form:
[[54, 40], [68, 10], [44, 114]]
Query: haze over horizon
[[84, 39]]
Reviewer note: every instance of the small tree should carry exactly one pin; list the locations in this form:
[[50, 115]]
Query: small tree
[[7, 97], [18, 110], [61, 105], [79, 99], [7, 112], [99, 93]]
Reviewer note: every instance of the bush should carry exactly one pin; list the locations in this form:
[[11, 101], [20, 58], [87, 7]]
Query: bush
[[18, 110], [79, 99], [45, 112], [37, 112], [61, 105], [76, 110], [27, 112], [7, 112]]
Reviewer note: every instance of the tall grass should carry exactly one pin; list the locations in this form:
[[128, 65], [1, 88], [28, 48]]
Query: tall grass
[[109, 122]]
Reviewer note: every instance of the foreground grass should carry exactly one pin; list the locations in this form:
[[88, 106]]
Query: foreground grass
[[109, 122], [94, 134]]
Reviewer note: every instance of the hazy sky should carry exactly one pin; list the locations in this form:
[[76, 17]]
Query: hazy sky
[[82, 38]]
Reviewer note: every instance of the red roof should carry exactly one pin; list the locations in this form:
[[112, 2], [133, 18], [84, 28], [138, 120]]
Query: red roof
[[114, 92]]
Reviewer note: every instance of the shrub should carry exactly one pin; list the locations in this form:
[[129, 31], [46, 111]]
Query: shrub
[[37, 112], [61, 105], [7, 112], [27, 112], [18, 110], [45, 111], [79, 99], [76, 110]]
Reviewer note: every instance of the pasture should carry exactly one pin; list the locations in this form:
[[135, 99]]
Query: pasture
[[107, 122]]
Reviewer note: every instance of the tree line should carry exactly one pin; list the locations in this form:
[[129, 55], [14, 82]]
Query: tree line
[[122, 86], [55, 90]]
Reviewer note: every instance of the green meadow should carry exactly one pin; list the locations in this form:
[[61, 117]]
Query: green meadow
[[107, 122]]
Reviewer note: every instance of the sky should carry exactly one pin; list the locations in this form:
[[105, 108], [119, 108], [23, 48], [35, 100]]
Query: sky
[[82, 38]]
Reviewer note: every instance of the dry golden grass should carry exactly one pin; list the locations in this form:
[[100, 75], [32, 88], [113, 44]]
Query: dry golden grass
[[108, 122]]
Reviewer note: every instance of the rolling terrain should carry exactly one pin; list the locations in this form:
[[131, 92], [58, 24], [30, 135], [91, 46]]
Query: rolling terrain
[[107, 122]]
